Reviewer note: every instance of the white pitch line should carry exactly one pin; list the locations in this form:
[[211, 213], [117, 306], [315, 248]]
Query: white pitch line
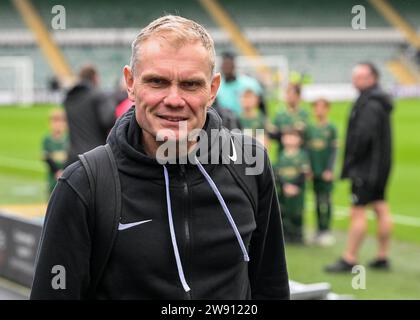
[[406, 220], [342, 212], [32, 165]]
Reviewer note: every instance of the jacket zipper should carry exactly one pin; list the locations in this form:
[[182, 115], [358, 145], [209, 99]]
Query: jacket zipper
[[186, 223]]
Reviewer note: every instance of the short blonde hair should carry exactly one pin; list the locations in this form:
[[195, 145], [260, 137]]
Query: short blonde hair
[[182, 31], [321, 100], [57, 114]]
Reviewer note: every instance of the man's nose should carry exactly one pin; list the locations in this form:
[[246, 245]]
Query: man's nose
[[174, 98]]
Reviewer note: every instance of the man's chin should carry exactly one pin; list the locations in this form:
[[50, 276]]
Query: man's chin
[[173, 135], [175, 132], [172, 147]]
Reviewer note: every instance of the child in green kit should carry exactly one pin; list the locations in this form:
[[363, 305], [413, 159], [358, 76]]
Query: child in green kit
[[291, 170], [321, 145], [294, 117], [251, 118], [55, 146]]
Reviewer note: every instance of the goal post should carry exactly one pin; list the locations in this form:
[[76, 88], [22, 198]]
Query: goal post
[[16, 81]]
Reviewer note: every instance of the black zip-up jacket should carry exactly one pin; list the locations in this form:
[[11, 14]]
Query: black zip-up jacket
[[368, 151], [142, 264], [229, 119], [90, 116]]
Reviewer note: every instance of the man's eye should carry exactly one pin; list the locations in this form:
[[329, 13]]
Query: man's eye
[[156, 82], [190, 85]]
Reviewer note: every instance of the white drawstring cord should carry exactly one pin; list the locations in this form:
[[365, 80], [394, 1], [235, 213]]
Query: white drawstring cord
[[172, 230], [225, 208]]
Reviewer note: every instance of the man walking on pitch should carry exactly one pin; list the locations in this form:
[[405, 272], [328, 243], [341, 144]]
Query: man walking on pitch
[[367, 163]]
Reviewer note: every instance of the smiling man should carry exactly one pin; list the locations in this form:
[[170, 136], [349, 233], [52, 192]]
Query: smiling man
[[125, 225], [172, 82]]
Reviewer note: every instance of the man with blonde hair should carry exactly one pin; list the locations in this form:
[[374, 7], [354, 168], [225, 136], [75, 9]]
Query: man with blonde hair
[[124, 223]]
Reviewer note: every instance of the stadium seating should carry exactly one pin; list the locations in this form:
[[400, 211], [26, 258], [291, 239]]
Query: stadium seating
[[247, 13], [313, 59]]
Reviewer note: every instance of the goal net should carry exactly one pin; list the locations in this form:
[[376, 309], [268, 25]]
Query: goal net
[[16, 81]]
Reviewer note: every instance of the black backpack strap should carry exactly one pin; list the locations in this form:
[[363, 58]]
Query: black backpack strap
[[248, 183], [105, 187]]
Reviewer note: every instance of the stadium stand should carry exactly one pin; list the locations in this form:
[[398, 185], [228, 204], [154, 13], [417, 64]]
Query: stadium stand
[[258, 20], [261, 14], [309, 34]]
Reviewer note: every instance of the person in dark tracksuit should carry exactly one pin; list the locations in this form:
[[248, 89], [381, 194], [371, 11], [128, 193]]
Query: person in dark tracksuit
[[89, 112], [367, 163], [188, 228], [229, 119]]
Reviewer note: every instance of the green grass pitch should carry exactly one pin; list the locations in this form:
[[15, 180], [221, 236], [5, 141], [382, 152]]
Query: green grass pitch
[[23, 181]]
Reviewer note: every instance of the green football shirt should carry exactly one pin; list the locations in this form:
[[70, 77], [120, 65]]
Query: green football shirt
[[292, 120], [287, 120], [321, 140], [257, 122], [56, 150], [290, 166], [289, 169]]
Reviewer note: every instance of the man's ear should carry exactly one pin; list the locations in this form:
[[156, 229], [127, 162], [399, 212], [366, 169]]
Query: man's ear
[[129, 81], [215, 84]]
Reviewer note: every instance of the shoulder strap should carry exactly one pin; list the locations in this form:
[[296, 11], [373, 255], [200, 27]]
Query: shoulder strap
[[105, 187], [248, 183]]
